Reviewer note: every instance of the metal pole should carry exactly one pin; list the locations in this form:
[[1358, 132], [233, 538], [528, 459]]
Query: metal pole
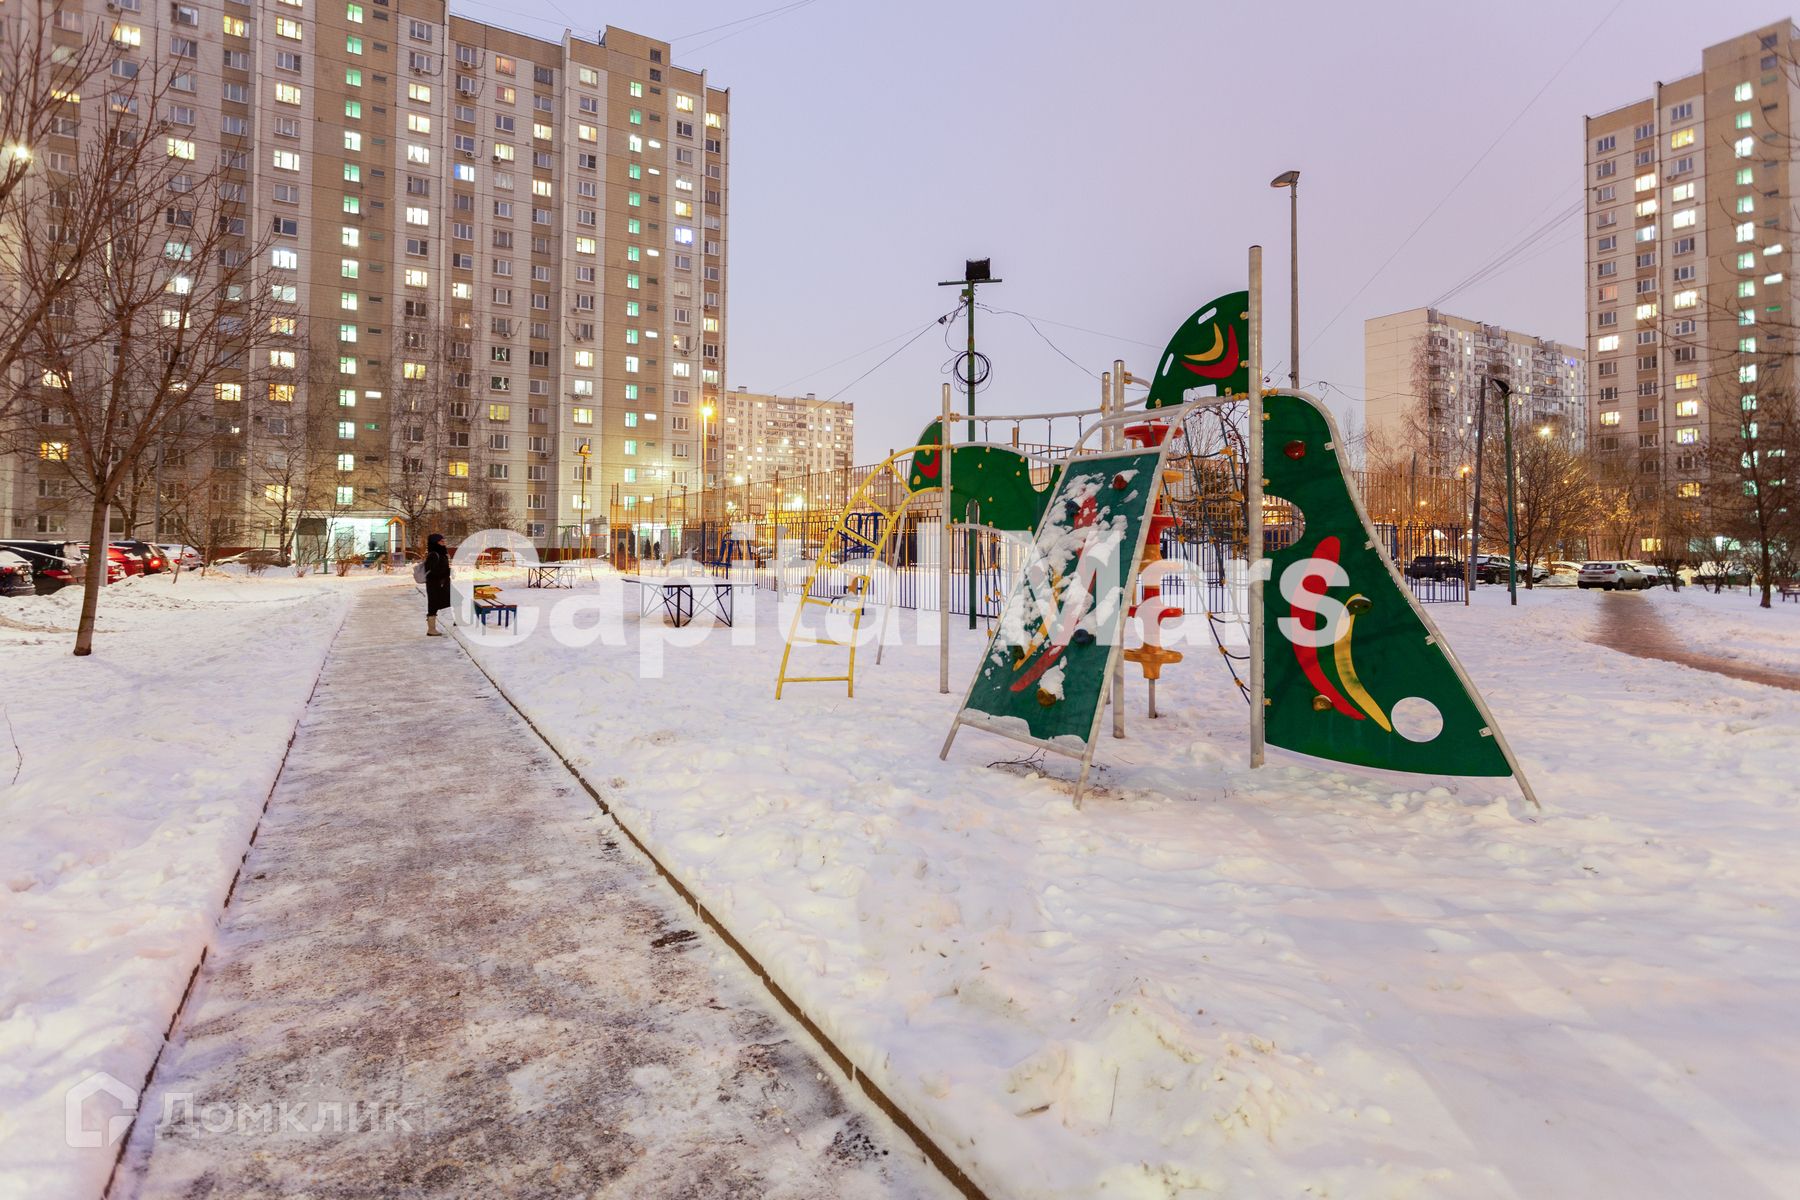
[[1512, 510], [969, 547], [944, 544], [1117, 376], [1294, 280], [1253, 497], [1475, 510]]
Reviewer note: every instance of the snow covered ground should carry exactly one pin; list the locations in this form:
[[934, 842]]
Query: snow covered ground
[[1212, 981], [1733, 624], [130, 783]]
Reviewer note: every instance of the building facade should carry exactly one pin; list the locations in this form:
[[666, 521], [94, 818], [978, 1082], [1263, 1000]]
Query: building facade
[[1688, 266], [503, 260], [1422, 380], [763, 435]]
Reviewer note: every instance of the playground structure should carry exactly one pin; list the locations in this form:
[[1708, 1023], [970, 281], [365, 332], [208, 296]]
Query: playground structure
[[1314, 568]]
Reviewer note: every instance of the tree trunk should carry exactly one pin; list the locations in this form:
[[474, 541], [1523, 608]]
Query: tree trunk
[[99, 561]]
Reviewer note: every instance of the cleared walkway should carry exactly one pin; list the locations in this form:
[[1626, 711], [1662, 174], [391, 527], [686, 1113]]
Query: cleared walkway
[[443, 975], [1630, 622]]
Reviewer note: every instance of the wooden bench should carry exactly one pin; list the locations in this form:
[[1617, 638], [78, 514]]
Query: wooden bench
[[1789, 591]]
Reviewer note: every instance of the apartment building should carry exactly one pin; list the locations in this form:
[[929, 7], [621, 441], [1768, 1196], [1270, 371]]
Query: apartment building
[[501, 259], [1422, 379], [761, 434], [1686, 195]]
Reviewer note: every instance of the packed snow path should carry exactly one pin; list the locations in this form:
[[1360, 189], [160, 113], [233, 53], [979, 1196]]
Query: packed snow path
[[443, 975], [1633, 624]]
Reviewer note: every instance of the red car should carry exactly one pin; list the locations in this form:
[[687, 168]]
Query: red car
[[124, 562]]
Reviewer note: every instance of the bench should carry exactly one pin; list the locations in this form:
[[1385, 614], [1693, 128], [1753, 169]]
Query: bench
[[503, 613], [679, 596], [1790, 591]]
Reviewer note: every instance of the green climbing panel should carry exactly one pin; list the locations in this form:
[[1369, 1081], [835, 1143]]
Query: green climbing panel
[[997, 480], [1044, 675], [1207, 351], [1351, 671]]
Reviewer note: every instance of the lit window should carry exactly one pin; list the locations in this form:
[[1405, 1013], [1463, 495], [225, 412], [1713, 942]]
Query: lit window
[[1743, 120], [352, 173], [1646, 311], [353, 13], [228, 391], [1746, 289], [1683, 191], [582, 416], [1687, 408], [1743, 148], [1741, 92], [1680, 138], [287, 93], [347, 301], [184, 149], [1685, 299], [282, 393], [1746, 204], [1609, 418], [350, 237], [459, 469], [1683, 219], [1745, 176], [346, 430], [1688, 491], [587, 133], [418, 122], [1746, 231], [1747, 373], [1644, 183], [346, 495], [1747, 261], [288, 28], [417, 278], [1687, 381], [630, 446], [352, 44], [1746, 345], [1609, 342], [456, 499], [347, 268], [1687, 435], [346, 364], [282, 359], [346, 462]]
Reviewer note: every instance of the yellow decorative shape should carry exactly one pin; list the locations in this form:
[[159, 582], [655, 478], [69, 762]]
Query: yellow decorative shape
[[1353, 685], [1217, 348]]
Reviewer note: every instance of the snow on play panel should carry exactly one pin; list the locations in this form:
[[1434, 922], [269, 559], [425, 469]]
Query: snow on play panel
[[1289, 982]]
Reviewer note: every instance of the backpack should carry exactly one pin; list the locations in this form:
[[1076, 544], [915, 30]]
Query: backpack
[[419, 572]]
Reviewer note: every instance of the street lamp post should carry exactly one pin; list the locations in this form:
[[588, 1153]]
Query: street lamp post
[[586, 450], [1291, 181], [708, 414]]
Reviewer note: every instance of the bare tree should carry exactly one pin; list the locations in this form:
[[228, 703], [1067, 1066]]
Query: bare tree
[[162, 309], [1750, 459], [1555, 496]]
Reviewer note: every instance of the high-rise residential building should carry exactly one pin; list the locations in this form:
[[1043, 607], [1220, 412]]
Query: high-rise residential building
[[1422, 380], [497, 251], [1688, 266], [762, 435]]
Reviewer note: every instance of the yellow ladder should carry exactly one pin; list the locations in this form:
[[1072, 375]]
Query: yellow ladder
[[832, 556]]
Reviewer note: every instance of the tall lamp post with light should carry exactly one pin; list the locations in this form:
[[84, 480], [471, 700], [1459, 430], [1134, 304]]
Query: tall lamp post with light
[[1291, 181], [586, 450], [708, 415]]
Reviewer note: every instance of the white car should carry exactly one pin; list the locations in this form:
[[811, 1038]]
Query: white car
[[189, 558], [1611, 575]]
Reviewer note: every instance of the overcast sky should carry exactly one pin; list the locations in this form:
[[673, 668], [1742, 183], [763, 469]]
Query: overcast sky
[[1114, 162]]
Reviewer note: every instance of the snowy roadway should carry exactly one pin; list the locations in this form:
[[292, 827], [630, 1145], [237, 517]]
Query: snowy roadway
[[443, 974]]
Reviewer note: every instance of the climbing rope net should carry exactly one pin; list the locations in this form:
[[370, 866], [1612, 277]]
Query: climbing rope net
[[1212, 452]]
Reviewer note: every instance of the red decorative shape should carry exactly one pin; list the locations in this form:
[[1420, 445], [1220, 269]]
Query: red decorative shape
[[1120, 483], [928, 464], [1226, 366], [1295, 450], [1308, 656]]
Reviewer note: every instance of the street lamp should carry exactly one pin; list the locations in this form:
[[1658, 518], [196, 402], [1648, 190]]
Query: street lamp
[[707, 412], [587, 521], [1291, 181]]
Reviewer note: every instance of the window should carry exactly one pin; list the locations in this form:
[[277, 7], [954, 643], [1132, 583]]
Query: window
[[1741, 92], [1681, 138], [1687, 381], [284, 160], [1743, 120], [1646, 208], [1743, 147], [1606, 144], [582, 416], [288, 28], [1684, 219], [1608, 343]]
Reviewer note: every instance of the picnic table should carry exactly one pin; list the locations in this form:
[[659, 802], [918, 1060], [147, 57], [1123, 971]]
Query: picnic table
[[680, 595], [548, 575]]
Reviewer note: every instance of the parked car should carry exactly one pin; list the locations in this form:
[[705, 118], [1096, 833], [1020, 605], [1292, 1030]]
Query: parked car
[[1494, 568], [130, 562], [152, 556], [189, 558], [1654, 575], [1434, 566], [1611, 575], [15, 575], [54, 565]]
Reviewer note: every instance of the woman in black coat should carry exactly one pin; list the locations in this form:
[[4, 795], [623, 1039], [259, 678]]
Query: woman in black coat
[[437, 582]]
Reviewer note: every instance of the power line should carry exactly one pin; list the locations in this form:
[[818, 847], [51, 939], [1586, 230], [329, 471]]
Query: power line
[[1445, 199], [848, 357], [771, 15], [909, 341], [753, 16], [1007, 312]]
